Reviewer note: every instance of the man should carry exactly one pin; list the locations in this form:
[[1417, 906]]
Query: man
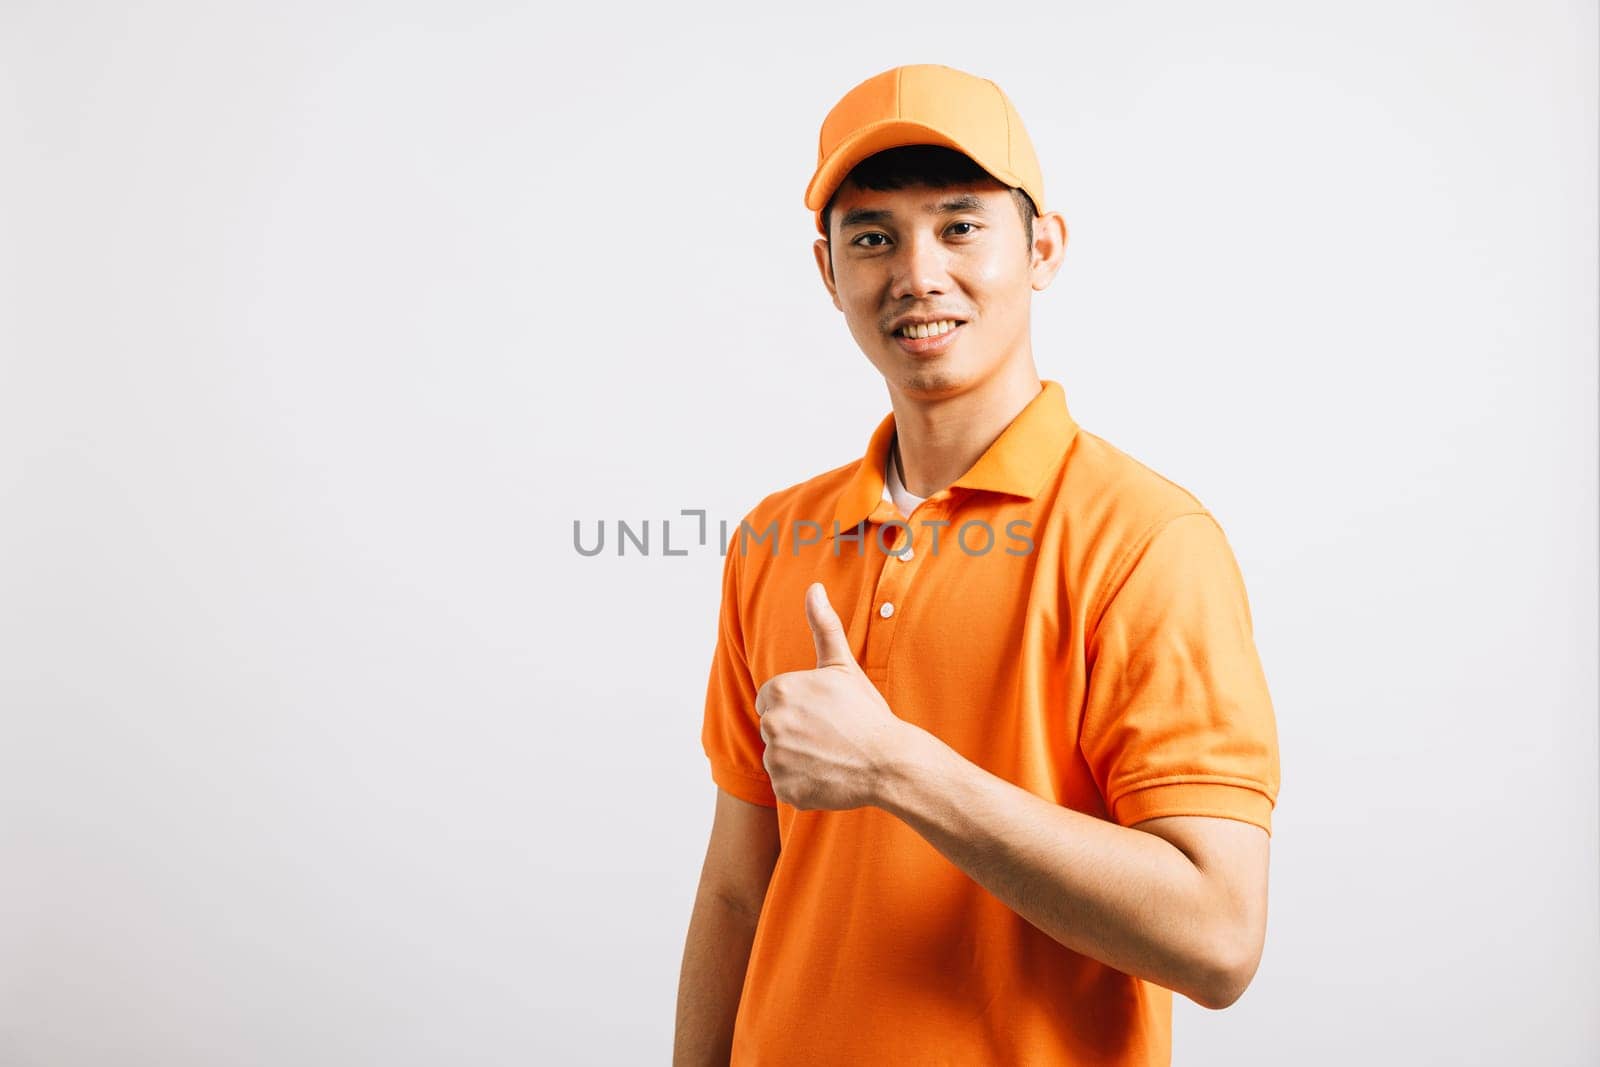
[[975, 805]]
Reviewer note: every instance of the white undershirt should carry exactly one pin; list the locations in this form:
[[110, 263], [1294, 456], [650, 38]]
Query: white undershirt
[[895, 492]]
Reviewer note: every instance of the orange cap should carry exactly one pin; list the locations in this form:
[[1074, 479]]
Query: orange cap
[[925, 103]]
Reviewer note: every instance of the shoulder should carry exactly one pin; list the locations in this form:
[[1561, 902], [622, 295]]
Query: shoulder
[[783, 515], [1117, 505], [810, 500], [1103, 483]]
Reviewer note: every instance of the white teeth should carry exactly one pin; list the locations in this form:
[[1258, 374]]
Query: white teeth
[[928, 329]]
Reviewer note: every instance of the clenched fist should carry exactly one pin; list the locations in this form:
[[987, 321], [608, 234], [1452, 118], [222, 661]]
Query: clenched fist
[[830, 736]]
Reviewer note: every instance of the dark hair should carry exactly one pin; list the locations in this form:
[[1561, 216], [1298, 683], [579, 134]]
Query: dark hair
[[923, 164]]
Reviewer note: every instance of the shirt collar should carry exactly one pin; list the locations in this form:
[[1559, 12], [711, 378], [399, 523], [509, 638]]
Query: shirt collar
[[1018, 463]]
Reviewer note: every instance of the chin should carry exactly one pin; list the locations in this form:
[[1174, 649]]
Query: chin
[[934, 378]]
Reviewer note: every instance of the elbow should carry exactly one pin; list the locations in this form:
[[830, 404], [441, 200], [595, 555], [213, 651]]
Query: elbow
[[1225, 977], [1221, 992]]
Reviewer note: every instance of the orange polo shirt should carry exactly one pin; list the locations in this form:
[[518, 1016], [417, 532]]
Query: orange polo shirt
[[1099, 654]]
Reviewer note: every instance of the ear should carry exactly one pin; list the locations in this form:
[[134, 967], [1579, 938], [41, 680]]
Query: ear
[[1049, 248], [825, 268]]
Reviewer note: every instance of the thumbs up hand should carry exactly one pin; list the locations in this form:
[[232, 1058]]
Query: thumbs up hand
[[831, 739]]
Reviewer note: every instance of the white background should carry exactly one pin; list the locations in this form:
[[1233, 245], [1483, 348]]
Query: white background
[[320, 323]]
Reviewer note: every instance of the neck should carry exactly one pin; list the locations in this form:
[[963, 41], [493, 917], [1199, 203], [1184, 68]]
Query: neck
[[939, 440]]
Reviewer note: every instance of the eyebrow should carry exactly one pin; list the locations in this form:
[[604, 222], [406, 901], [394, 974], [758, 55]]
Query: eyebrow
[[860, 216]]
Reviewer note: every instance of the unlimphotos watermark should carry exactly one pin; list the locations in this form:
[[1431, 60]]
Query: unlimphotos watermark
[[894, 537]]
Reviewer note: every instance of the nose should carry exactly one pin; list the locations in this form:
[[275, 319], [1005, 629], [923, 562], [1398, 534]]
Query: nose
[[920, 268]]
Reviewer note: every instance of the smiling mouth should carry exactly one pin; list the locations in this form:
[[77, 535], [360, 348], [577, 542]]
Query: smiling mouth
[[928, 329]]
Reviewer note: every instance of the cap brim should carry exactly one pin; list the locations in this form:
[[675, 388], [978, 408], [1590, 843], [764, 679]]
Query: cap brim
[[879, 136]]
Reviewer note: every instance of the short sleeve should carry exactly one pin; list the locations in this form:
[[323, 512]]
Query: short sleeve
[[1177, 719], [731, 732]]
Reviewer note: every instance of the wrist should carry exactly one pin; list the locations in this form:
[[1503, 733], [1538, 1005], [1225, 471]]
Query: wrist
[[907, 760]]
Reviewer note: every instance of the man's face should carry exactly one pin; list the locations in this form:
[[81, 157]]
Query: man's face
[[917, 260]]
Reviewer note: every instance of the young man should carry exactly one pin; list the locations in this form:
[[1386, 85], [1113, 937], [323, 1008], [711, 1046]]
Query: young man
[[994, 750]]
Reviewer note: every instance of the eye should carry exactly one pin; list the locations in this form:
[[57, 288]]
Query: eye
[[971, 229], [861, 240]]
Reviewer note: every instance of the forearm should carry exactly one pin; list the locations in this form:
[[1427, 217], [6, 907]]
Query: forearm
[[715, 956], [1119, 895]]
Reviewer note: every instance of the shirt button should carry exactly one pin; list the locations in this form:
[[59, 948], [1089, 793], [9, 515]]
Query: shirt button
[[905, 557], [886, 610]]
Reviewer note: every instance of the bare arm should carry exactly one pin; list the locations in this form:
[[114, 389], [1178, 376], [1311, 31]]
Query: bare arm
[[733, 884], [1180, 901]]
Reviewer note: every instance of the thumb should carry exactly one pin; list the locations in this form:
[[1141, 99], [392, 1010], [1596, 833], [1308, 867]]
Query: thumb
[[833, 648]]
